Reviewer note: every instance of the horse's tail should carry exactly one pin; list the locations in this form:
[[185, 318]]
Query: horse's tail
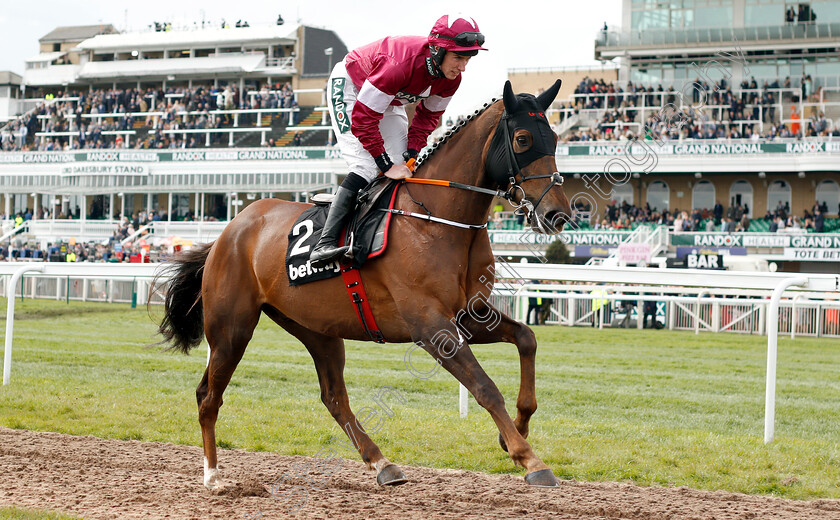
[[183, 320]]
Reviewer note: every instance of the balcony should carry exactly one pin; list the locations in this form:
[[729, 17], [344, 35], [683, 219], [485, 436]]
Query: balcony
[[609, 44]]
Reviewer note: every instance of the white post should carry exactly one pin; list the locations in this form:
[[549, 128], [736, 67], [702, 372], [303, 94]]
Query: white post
[[772, 348], [10, 317], [462, 400], [697, 308]]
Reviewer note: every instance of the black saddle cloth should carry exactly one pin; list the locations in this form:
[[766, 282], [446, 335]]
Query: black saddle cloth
[[367, 232]]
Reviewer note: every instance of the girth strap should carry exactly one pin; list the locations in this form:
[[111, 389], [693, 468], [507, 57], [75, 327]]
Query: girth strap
[[358, 297]]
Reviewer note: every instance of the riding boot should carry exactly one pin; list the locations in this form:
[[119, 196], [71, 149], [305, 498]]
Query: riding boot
[[327, 249]]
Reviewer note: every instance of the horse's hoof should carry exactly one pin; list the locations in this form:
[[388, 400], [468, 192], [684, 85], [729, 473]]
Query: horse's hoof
[[391, 475], [502, 443], [212, 480], [542, 478]]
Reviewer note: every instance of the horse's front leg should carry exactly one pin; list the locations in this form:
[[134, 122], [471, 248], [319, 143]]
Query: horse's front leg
[[449, 347], [482, 323]]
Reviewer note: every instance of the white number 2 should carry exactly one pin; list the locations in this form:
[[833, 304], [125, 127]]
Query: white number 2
[[299, 248]]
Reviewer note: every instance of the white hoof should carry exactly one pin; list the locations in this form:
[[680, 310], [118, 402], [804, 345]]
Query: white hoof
[[212, 478]]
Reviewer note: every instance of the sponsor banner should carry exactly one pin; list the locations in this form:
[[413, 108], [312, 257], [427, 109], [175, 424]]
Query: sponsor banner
[[707, 239], [812, 255], [584, 251], [816, 241], [520, 237], [803, 240], [576, 238], [594, 238], [104, 169], [766, 240], [634, 253], [118, 156], [700, 147], [683, 251], [135, 156], [704, 261]]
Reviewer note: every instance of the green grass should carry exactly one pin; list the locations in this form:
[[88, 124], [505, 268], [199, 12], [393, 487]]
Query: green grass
[[16, 513], [649, 407]]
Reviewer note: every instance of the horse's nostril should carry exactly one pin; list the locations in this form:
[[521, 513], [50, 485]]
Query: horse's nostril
[[555, 220]]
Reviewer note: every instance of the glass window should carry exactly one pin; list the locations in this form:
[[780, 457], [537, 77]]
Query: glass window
[[652, 19], [703, 195], [621, 193], [762, 71], [828, 193], [778, 194], [826, 11], [713, 17], [741, 192], [829, 68], [763, 15], [658, 196]]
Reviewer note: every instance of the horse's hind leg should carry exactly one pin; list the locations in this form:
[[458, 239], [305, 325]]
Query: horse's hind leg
[[328, 354], [228, 327]]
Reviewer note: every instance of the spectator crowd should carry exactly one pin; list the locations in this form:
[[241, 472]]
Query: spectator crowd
[[157, 109], [718, 113]]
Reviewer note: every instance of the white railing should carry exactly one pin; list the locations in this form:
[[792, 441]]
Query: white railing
[[96, 230], [772, 285], [14, 230]]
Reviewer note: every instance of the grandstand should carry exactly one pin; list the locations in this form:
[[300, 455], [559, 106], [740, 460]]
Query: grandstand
[[697, 104], [705, 102]]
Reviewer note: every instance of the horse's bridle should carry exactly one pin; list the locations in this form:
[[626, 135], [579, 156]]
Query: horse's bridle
[[514, 177], [515, 171]]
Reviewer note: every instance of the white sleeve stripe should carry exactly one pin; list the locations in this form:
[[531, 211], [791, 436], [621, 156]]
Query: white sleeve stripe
[[374, 98], [436, 103]]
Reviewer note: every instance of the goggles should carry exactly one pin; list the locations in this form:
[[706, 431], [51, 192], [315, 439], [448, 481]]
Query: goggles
[[465, 39]]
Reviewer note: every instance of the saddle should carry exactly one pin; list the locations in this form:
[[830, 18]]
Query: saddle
[[366, 232]]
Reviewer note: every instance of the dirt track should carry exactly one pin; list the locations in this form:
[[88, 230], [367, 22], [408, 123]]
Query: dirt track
[[97, 478]]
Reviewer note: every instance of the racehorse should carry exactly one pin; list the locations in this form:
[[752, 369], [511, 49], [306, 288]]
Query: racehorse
[[418, 289]]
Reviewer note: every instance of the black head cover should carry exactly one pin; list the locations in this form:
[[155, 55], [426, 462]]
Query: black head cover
[[522, 112]]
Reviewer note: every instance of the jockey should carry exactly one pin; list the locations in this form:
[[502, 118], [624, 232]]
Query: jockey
[[366, 93]]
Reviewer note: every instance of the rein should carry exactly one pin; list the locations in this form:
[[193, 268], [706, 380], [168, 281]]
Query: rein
[[447, 184], [514, 177]]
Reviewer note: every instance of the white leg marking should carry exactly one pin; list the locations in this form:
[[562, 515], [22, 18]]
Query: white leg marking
[[212, 479]]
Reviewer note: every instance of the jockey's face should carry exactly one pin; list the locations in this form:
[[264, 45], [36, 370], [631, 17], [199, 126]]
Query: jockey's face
[[453, 64]]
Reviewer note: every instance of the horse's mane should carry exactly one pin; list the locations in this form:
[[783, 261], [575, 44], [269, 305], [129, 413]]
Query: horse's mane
[[430, 150]]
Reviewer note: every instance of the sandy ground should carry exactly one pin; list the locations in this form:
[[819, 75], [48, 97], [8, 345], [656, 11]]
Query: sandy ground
[[96, 478]]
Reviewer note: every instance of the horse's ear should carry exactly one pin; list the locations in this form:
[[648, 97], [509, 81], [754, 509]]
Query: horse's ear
[[509, 98], [547, 98]]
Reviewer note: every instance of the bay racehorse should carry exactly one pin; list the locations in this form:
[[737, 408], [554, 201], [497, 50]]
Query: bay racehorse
[[418, 289]]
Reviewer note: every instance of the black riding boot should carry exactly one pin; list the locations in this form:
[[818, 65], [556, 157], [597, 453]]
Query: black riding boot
[[327, 249]]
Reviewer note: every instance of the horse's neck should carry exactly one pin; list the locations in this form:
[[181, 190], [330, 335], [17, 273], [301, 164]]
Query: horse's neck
[[461, 159]]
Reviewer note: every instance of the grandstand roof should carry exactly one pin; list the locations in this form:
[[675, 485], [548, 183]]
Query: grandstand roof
[[210, 37], [234, 62], [45, 56], [9, 78], [76, 33]]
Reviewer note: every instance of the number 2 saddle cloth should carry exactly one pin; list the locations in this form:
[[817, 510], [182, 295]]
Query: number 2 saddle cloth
[[367, 232]]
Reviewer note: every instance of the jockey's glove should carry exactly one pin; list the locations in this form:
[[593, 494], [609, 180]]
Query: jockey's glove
[[411, 153]]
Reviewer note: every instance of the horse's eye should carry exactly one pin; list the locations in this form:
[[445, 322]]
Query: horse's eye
[[522, 141]]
